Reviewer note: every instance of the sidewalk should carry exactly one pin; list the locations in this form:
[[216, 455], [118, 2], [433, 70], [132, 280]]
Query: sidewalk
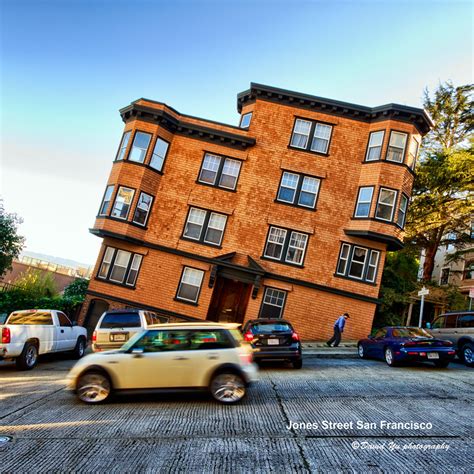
[[345, 350]]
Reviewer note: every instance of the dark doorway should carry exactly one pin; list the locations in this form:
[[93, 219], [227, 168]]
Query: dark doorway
[[94, 312], [229, 301]]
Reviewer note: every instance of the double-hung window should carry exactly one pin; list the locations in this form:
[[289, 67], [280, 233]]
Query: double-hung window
[[358, 263], [412, 153], [143, 209], [272, 303], [120, 266], [321, 137], [139, 147], [298, 189], [104, 207], [286, 245], [190, 285], [159, 154], [311, 135], [123, 201], [301, 131], [374, 149], [205, 226], [402, 211], [219, 171], [123, 146], [364, 201], [386, 204], [396, 146]]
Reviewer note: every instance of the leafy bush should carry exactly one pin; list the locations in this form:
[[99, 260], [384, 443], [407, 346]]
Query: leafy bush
[[77, 289], [37, 284]]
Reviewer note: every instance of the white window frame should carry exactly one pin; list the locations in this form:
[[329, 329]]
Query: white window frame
[[213, 158], [157, 161], [243, 120], [288, 187], [208, 226], [379, 203], [319, 137], [182, 281], [107, 199], [402, 210], [301, 134], [285, 234], [134, 267], [344, 259], [370, 147], [144, 151], [122, 202], [372, 265], [226, 161], [268, 290], [318, 183], [121, 266], [358, 262], [140, 206], [392, 133], [188, 220], [123, 145], [303, 253], [107, 258], [359, 201]]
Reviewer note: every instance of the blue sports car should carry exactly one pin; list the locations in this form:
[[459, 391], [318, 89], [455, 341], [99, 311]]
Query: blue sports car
[[406, 344]]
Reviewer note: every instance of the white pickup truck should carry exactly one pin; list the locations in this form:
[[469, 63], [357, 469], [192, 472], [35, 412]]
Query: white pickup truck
[[28, 333]]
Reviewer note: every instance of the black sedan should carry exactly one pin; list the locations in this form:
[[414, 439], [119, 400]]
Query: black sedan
[[273, 339], [406, 344]]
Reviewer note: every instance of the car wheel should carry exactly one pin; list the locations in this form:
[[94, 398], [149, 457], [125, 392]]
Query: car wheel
[[228, 387], [28, 357], [80, 348], [93, 387], [297, 364], [389, 359], [441, 364], [361, 351], [468, 354]]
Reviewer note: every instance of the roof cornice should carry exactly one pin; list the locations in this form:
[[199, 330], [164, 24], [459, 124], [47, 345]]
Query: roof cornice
[[418, 117], [182, 127]]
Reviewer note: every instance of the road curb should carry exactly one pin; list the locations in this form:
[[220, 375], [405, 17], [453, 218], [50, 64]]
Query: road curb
[[309, 355]]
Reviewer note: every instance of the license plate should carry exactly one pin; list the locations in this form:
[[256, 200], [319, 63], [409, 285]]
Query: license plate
[[273, 342], [118, 337], [433, 355]]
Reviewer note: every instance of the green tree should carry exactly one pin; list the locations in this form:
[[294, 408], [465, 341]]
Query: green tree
[[77, 289], [399, 279], [11, 243], [442, 198], [35, 283]]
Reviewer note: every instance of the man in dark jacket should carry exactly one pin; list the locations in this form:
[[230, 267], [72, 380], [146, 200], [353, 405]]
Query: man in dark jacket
[[338, 330]]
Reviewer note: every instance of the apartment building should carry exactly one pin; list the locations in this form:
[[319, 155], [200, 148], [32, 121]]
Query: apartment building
[[288, 215]]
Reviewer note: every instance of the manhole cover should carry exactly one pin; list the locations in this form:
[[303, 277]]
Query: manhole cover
[[5, 439]]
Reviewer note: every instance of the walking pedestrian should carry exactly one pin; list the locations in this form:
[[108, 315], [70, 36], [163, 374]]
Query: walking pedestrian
[[338, 330]]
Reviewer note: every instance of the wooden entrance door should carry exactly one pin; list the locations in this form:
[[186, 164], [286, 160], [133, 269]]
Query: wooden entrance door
[[229, 301]]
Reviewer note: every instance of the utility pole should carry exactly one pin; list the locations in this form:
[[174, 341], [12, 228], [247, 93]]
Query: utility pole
[[424, 291]]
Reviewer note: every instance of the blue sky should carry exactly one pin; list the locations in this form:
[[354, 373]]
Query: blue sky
[[68, 66]]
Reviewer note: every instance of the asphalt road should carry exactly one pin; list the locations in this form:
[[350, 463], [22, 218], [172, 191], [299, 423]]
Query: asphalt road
[[52, 432]]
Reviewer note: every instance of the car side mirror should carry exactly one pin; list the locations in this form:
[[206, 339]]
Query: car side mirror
[[137, 352], [74, 323]]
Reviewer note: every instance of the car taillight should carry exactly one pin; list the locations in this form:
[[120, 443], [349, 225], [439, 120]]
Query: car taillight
[[94, 336], [5, 335], [248, 336], [246, 358], [295, 337]]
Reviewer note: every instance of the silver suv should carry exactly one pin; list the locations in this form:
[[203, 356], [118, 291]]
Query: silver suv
[[457, 327], [116, 327]]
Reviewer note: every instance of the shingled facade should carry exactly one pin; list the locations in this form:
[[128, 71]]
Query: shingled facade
[[288, 215]]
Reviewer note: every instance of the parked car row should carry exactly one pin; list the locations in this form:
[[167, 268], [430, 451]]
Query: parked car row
[[137, 350]]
